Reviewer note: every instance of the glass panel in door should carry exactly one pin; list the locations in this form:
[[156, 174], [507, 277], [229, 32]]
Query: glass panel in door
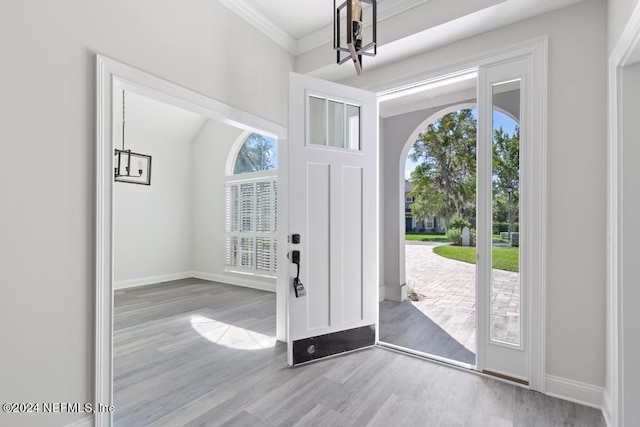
[[505, 321]]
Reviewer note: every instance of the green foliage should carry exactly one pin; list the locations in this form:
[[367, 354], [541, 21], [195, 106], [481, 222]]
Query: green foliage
[[506, 175], [459, 223], [426, 237], [502, 258], [503, 227], [455, 236], [445, 178]]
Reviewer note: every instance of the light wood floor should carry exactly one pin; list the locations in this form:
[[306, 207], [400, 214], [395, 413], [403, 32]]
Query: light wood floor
[[193, 352]]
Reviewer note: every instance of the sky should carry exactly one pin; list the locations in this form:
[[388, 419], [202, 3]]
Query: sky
[[499, 119]]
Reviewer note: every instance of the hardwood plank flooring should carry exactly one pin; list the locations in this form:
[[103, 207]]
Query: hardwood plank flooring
[[199, 353]]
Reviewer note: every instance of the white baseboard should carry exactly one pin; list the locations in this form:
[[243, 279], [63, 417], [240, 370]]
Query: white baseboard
[[123, 284], [86, 421], [232, 279], [575, 391], [238, 280]]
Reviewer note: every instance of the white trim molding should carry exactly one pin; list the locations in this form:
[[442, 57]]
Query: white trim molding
[[247, 281], [622, 55], [575, 391], [107, 72], [262, 24]]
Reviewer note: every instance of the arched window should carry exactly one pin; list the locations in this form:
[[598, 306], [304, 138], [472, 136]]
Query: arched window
[[257, 153], [251, 195]]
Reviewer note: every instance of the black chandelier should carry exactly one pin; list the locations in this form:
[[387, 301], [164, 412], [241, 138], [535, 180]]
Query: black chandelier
[[355, 33], [123, 159]]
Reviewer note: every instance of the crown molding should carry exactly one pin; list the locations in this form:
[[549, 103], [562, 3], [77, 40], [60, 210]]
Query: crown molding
[[262, 24], [242, 8]]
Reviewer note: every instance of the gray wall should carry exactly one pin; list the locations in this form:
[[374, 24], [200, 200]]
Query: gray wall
[[47, 213], [152, 224], [575, 174], [619, 12]]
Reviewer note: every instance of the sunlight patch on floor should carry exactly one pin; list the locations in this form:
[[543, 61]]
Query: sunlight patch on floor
[[230, 336]]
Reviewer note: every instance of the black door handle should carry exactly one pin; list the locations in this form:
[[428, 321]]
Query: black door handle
[[298, 287]]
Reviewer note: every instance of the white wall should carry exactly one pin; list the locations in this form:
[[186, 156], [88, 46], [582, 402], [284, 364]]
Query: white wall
[[210, 152], [630, 292], [576, 126], [152, 224], [211, 148], [47, 211], [619, 12]]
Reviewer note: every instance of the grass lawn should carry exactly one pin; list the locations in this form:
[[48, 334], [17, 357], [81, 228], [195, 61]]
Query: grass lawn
[[502, 258], [425, 237]]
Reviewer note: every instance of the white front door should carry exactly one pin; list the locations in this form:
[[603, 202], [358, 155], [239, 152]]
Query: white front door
[[332, 196]]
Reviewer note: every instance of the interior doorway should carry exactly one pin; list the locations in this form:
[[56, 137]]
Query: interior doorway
[[172, 165]]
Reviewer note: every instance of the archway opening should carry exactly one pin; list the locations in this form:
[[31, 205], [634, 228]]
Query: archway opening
[[438, 164]]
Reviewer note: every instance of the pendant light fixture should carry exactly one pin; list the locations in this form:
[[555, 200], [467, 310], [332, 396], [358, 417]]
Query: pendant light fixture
[[124, 158], [354, 32]]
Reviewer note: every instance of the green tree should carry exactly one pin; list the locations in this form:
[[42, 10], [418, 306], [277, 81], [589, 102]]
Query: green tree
[[445, 178], [506, 174]]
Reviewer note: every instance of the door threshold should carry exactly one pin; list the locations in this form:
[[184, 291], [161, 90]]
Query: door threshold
[[427, 356], [450, 363]]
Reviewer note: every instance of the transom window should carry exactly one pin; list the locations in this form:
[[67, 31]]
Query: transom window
[[251, 195], [333, 124]]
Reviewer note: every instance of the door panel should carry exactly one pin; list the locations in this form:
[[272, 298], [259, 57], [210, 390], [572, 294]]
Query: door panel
[[333, 206], [352, 284], [318, 254]]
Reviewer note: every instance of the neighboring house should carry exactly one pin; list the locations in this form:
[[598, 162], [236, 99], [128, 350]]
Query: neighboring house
[[434, 224]]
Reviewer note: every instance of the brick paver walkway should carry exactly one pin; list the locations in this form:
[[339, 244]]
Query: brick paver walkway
[[446, 290]]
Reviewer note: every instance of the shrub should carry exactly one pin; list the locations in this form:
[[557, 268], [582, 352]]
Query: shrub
[[455, 235], [459, 223], [500, 227]]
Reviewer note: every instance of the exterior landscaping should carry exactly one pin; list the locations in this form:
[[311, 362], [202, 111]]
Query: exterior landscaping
[[426, 237], [502, 258]]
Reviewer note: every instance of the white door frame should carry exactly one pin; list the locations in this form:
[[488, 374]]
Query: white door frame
[[625, 53], [536, 50], [161, 90]]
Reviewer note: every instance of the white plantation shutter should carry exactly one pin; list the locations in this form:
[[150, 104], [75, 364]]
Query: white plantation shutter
[[250, 225]]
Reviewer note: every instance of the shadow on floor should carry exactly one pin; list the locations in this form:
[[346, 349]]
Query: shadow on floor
[[402, 324]]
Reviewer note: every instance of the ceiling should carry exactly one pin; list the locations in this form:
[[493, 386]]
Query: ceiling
[[301, 25], [405, 27]]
